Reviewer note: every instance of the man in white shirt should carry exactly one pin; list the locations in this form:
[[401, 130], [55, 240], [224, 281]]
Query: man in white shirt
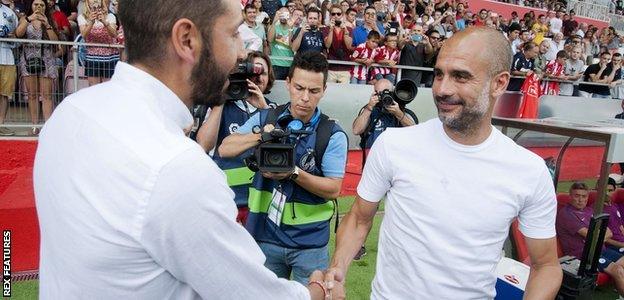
[[453, 186], [8, 23], [128, 205], [555, 22]]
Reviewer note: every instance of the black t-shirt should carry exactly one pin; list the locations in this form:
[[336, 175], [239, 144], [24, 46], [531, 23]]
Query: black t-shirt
[[412, 56], [595, 89], [311, 40], [520, 63]]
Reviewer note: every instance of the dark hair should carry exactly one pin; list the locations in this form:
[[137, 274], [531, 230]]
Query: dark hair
[[373, 35], [562, 54], [604, 53], [314, 10], [528, 46], [350, 10], [616, 54], [312, 61], [370, 7], [579, 186], [259, 54], [248, 6], [148, 24], [432, 31]]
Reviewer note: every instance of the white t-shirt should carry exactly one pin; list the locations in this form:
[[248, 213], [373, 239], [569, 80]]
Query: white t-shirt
[[555, 25], [449, 208], [130, 208], [8, 24]]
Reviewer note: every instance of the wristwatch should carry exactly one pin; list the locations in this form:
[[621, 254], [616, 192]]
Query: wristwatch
[[294, 174]]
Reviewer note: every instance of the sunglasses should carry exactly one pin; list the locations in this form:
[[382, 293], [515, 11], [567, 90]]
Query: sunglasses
[[336, 14]]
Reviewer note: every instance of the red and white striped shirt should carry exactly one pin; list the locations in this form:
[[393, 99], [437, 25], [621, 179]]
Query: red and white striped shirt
[[384, 53], [360, 72], [553, 68]]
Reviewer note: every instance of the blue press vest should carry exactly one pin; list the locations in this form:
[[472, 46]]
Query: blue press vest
[[385, 121], [238, 175], [305, 219]]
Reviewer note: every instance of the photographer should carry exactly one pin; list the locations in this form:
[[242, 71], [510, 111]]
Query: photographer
[[225, 119], [393, 115], [309, 37], [289, 212]]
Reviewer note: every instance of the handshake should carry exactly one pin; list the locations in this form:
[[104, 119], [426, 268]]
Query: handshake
[[327, 285]]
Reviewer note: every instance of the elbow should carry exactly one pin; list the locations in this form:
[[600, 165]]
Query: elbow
[[333, 194]]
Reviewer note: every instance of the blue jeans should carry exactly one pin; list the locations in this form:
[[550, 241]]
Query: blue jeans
[[357, 81], [300, 262]]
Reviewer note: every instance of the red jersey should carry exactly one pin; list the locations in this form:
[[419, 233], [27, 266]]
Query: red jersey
[[384, 53], [360, 72]]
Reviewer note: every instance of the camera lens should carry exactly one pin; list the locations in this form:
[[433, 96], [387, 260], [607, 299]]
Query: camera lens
[[276, 158]]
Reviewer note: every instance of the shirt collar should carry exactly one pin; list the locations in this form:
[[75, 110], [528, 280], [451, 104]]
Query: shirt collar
[[167, 101], [317, 113]]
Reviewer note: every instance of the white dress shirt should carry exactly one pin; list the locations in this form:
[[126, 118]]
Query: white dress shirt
[[129, 207]]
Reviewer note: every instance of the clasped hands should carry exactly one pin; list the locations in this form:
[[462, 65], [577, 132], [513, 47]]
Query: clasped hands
[[332, 282]]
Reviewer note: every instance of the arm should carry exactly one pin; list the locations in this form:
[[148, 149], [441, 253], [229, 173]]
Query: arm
[[111, 27], [360, 124], [545, 275], [296, 42], [236, 143], [20, 31], [329, 39], [428, 47], [351, 235], [324, 187], [209, 131], [271, 34]]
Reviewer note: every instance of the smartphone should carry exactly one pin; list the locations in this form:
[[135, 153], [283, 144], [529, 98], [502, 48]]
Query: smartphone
[[416, 38]]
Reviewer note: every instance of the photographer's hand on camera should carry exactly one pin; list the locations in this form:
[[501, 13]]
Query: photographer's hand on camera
[[256, 97]]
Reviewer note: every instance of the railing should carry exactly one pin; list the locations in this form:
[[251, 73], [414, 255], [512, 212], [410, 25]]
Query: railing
[[598, 10], [25, 113]]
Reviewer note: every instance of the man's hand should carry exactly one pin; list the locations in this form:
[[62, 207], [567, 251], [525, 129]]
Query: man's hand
[[276, 176], [256, 99], [369, 62], [374, 99], [268, 128], [395, 110]]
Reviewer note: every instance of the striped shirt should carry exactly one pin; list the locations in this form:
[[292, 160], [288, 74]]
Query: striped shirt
[[360, 72], [384, 53]]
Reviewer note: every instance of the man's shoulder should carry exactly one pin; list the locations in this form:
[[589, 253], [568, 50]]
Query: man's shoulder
[[516, 153]]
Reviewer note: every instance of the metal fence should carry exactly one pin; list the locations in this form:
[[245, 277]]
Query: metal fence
[[62, 68]]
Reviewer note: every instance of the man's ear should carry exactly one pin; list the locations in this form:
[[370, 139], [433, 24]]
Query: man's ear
[[499, 83], [186, 40]]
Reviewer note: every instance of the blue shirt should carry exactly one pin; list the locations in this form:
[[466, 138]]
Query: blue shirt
[[360, 33], [335, 157]]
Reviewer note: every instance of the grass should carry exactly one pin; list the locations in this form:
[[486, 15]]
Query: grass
[[361, 272]]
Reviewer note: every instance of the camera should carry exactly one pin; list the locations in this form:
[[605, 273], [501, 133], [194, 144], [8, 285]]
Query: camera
[[313, 27], [381, 16], [337, 23], [404, 92], [275, 153], [238, 88]]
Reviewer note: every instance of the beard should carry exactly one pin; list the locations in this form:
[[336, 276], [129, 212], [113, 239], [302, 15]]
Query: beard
[[469, 118], [208, 80]]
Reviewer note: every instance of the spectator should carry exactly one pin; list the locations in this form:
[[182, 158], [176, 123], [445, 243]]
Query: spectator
[[522, 65], [556, 44], [250, 13], [309, 37], [360, 33], [621, 117], [540, 29], [540, 61], [60, 21], [99, 26], [279, 39], [364, 55], [516, 45], [616, 242], [573, 70], [570, 25], [592, 47], [514, 18], [430, 60], [614, 40], [339, 42], [261, 16], [572, 229], [8, 23], [602, 72], [513, 35], [350, 18], [344, 6], [414, 49], [483, 16], [583, 28], [325, 12], [555, 22], [360, 9], [38, 61], [554, 70], [387, 55]]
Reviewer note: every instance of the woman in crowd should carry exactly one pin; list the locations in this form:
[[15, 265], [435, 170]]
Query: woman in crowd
[[38, 61], [98, 25], [591, 46], [261, 15]]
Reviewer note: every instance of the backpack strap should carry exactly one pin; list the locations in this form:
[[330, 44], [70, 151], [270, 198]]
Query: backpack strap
[[323, 134]]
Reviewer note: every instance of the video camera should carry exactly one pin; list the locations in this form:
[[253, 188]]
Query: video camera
[[404, 92], [276, 153], [238, 88]]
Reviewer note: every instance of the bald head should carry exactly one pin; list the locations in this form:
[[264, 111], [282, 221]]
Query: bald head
[[383, 84], [496, 53]]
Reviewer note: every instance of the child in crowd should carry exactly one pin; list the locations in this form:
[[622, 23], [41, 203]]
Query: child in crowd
[[363, 54], [387, 55], [554, 70], [573, 70]]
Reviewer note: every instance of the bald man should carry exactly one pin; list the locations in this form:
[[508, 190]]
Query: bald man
[[453, 185]]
